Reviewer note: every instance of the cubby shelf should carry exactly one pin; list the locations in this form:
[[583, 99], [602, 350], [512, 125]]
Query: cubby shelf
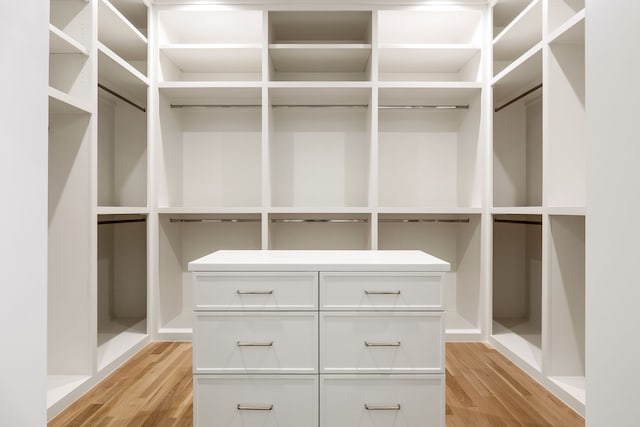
[[60, 42], [227, 61], [62, 103], [571, 31], [118, 75], [116, 32], [320, 58], [524, 32], [563, 12]]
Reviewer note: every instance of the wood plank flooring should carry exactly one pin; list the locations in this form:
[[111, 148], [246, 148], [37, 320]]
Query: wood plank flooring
[[484, 389]]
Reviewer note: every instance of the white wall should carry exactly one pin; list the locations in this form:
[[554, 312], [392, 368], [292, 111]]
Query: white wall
[[613, 208], [23, 212]]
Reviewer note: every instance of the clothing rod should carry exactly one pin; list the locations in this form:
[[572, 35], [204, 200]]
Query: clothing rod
[[444, 220], [214, 220], [117, 95], [216, 105], [120, 221], [343, 221], [424, 107], [517, 98], [517, 221]]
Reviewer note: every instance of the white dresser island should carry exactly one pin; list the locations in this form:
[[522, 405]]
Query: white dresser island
[[318, 338]]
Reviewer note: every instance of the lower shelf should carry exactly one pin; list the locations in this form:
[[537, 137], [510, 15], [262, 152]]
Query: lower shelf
[[117, 337], [521, 338], [574, 386], [59, 386]]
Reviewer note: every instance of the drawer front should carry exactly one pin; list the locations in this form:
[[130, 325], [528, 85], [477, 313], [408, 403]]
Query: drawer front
[[256, 342], [255, 401], [408, 342], [381, 291], [382, 401], [255, 291]]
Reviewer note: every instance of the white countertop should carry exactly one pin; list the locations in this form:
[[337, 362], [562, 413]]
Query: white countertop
[[326, 260]]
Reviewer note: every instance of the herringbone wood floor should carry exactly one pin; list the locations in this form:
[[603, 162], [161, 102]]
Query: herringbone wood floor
[[484, 389]]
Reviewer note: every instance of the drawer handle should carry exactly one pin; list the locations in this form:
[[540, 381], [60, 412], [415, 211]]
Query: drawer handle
[[270, 292], [242, 407], [395, 407], [254, 344], [382, 292], [382, 344]]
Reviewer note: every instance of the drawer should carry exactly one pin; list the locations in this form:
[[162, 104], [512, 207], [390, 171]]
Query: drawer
[[255, 401], [392, 400], [255, 291], [255, 342], [408, 342], [381, 291]]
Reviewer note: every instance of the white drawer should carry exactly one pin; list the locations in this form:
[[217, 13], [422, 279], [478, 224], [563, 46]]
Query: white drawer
[[255, 401], [409, 342], [393, 400], [255, 291], [255, 342], [381, 291]]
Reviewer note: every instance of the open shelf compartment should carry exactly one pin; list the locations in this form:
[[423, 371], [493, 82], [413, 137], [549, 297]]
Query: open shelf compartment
[[430, 144], [319, 231], [517, 286], [210, 147], [122, 285], [319, 146], [183, 238], [455, 239]]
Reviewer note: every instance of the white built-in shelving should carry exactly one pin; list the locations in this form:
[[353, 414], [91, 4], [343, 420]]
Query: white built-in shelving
[[539, 175], [430, 45]]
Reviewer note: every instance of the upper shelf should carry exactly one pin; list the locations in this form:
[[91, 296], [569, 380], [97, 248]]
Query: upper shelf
[[321, 58], [425, 59], [202, 24], [571, 32], [561, 11], [435, 26], [135, 11], [524, 74], [118, 34], [331, 27], [60, 42], [215, 58], [505, 11], [520, 35], [121, 77], [62, 103]]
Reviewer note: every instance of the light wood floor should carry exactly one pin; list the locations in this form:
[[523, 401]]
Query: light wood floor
[[154, 389]]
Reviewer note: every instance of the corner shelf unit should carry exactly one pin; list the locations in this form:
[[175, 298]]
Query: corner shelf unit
[[539, 174], [97, 283]]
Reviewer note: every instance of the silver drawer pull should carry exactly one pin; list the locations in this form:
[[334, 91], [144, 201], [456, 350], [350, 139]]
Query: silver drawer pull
[[270, 292], [395, 407], [254, 344], [382, 292], [382, 344], [242, 407]]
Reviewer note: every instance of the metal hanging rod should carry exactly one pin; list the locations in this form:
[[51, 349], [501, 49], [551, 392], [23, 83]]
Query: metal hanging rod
[[341, 221], [214, 220], [517, 221], [216, 105], [424, 107], [117, 95], [120, 221], [439, 220], [517, 98]]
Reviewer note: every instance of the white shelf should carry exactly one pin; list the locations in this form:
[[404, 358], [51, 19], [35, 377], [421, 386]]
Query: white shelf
[[410, 210], [518, 210], [60, 42], [319, 95], [199, 210], [567, 210], [505, 11], [121, 77], [295, 27], [325, 85], [414, 95], [571, 32], [135, 11], [319, 210], [201, 94], [117, 33], [521, 34], [60, 386], [437, 25], [521, 75], [209, 24], [575, 386], [118, 337], [426, 58], [215, 58], [320, 58], [122, 210], [561, 11], [520, 339], [62, 103], [410, 85]]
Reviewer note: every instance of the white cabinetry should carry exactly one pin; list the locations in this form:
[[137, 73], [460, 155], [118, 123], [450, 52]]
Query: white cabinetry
[[539, 175], [372, 349]]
